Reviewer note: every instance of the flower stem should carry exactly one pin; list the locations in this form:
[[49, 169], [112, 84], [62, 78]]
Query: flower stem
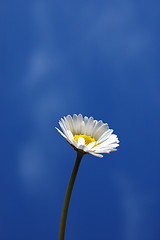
[[68, 196]]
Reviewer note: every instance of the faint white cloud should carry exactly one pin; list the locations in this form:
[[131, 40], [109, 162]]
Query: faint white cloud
[[118, 34], [49, 94], [135, 208], [32, 167]]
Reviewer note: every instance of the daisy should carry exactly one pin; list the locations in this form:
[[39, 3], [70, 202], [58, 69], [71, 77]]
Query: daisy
[[87, 135]]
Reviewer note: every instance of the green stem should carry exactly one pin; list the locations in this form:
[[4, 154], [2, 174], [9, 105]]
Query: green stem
[[68, 196]]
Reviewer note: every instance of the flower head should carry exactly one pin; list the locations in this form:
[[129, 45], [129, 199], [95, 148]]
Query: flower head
[[88, 135]]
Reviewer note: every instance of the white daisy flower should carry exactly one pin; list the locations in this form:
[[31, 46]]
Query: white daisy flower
[[87, 135]]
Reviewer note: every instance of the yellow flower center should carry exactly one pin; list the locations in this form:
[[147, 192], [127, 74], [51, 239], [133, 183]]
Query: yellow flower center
[[87, 139]]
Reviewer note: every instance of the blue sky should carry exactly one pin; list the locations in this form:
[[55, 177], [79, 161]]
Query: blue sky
[[100, 59]]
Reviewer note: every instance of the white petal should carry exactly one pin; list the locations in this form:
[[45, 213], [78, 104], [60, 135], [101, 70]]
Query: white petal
[[82, 147], [85, 120], [75, 144], [63, 123], [112, 139], [70, 121], [97, 125], [79, 124], [60, 132], [70, 135], [96, 154], [106, 150], [98, 133], [91, 145], [105, 136], [82, 127], [89, 126], [71, 141], [110, 143], [110, 146], [63, 127], [75, 123], [67, 124], [81, 141]]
